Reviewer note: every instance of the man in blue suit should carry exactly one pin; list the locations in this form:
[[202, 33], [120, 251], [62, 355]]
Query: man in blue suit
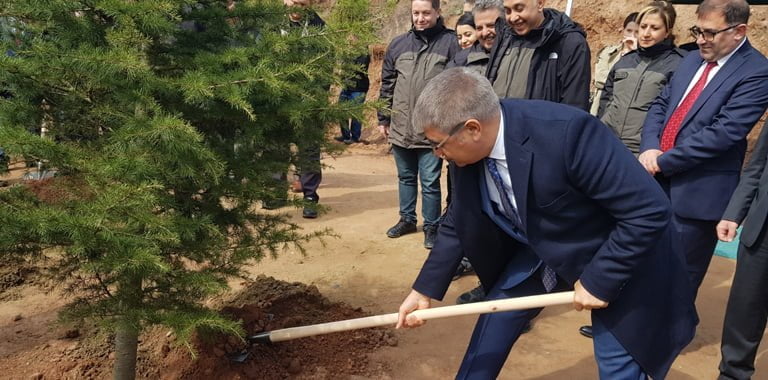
[[547, 199], [694, 137]]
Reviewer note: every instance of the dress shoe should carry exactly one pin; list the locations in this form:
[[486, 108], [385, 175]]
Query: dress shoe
[[403, 227], [463, 269], [310, 209], [273, 204], [475, 295], [586, 331], [430, 234]]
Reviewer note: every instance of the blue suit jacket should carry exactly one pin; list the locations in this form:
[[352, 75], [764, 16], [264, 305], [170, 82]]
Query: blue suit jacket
[[702, 169], [590, 212]]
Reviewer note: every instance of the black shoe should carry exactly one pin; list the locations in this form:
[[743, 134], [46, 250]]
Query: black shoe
[[430, 234], [340, 138], [475, 295], [586, 331], [310, 209], [463, 269], [273, 204], [403, 227]]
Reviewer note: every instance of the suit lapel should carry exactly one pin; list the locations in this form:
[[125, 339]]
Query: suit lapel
[[519, 160], [725, 72]]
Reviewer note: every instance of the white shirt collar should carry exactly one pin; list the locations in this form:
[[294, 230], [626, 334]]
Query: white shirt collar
[[499, 152]]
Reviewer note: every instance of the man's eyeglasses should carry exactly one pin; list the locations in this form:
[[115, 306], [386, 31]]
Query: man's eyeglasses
[[708, 35], [453, 131]]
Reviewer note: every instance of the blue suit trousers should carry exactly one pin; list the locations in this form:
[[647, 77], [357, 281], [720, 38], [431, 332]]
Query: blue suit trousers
[[496, 333]]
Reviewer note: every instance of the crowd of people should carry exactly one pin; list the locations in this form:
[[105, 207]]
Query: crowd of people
[[625, 207]]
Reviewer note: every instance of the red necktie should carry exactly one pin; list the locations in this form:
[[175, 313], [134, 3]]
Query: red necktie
[[673, 125]]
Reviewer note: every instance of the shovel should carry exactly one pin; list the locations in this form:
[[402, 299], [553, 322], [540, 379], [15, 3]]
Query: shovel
[[495, 306]]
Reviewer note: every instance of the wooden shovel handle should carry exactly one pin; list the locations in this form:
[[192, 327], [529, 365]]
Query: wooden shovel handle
[[519, 303]]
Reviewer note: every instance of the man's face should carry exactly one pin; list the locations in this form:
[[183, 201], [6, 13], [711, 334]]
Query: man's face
[[485, 25], [524, 15], [465, 146], [423, 15], [724, 42]]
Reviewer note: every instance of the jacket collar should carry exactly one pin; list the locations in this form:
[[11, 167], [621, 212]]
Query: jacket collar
[[730, 68]]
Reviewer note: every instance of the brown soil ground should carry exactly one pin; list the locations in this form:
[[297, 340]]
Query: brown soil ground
[[362, 268]]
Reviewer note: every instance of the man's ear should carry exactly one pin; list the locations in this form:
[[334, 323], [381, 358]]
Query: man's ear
[[741, 31], [474, 128]]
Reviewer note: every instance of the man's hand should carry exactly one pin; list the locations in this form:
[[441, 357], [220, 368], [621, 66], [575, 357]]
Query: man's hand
[[384, 130], [414, 301], [584, 300], [649, 160], [726, 230]]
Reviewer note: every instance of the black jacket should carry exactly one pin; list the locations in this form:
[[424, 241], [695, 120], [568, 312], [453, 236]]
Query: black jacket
[[560, 67], [411, 60], [474, 57]]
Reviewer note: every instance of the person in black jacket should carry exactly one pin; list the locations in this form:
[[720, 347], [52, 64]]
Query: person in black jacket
[[411, 60], [540, 54]]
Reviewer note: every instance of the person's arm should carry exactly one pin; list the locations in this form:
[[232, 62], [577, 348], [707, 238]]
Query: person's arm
[[606, 94], [575, 71], [732, 124], [388, 82], [746, 190], [612, 177], [437, 271]]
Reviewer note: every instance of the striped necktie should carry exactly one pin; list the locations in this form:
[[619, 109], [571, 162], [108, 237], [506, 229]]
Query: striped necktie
[[548, 276]]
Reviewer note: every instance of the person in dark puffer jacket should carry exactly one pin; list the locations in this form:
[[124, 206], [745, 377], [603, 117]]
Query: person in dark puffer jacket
[[638, 77], [411, 60], [540, 54]]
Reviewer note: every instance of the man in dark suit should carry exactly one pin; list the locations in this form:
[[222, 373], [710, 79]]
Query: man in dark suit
[[538, 208], [694, 136], [747, 308]]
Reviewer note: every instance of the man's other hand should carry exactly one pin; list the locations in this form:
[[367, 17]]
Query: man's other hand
[[649, 160], [414, 301], [384, 130], [584, 300], [726, 230]]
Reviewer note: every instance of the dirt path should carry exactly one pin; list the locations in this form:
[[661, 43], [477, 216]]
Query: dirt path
[[366, 269]]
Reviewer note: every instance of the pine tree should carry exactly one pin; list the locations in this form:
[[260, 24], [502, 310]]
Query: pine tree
[[167, 120]]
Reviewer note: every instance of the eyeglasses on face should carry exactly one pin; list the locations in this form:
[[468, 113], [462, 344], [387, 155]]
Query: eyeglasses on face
[[708, 35], [456, 128]]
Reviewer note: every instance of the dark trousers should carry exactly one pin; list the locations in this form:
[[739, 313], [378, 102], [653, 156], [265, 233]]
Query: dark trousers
[[310, 171], [697, 240], [496, 333], [746, 313]]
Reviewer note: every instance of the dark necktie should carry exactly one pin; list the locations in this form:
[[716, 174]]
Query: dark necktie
[[678, 115], [548, 276]]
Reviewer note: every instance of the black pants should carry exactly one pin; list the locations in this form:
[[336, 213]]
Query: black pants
[[746, 313]]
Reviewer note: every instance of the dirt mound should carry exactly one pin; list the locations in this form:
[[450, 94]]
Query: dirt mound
[[262, 305], [268, 304]]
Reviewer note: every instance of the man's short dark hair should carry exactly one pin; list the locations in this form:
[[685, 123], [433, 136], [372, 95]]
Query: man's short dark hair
[[735, 11], [435, 3]]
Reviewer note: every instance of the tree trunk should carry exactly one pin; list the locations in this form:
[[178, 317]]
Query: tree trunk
[[126, 345], [127, 331]]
